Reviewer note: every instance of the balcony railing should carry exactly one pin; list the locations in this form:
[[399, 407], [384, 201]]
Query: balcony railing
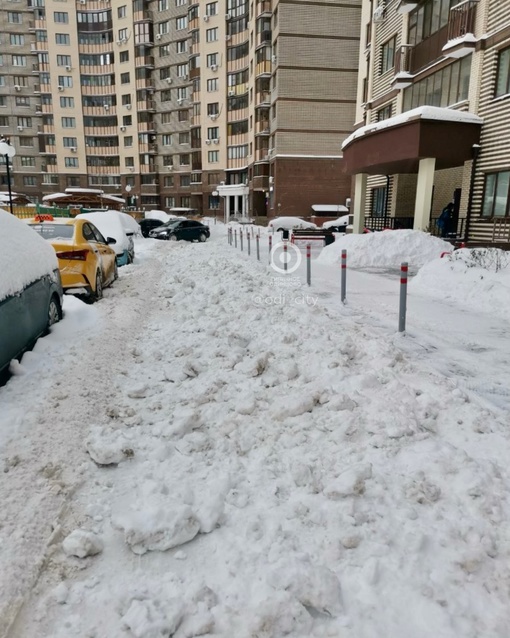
[[403, 59], [263, 7], [147, 60], [462, 19]]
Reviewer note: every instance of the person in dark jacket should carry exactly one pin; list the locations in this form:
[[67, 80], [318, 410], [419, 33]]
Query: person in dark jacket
[[445, 222]]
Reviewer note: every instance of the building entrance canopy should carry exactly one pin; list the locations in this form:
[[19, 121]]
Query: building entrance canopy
[[397, 145]]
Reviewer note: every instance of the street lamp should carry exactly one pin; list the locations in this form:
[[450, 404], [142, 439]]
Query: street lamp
[[8, 152]]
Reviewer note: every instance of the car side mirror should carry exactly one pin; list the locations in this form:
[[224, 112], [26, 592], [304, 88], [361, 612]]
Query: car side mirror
[[111, 240]]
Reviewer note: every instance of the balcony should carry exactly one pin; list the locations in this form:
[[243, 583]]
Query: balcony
[[403, 78], [263, 68], [264, 38], [146, 105], [148, 168], [461, 28], [262, 127], [263, 99], [263, 8], [142, 16], [262, 155], [147, 60]]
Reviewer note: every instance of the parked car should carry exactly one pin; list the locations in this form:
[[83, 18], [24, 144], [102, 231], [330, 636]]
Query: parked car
[[178, 229], [30, 288], [149, 224], [87, 263], [289, 223], [337, 225], [111, 224]]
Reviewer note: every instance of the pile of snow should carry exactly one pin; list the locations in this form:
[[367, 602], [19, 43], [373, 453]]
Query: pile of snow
[[81, 544], [130, 224], [478, 278], [158, 214], [110, 224], [386, 249], [341, 221], [289, 223], [24, 255]]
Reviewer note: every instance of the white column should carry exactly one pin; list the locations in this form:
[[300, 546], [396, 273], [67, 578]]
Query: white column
[[424, 189], [360, 199], [227, 208]]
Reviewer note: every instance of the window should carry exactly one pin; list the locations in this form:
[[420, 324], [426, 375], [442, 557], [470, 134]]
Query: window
[[213, 133], [65, 80], [183, 115], [166, 95], [496, 196], [129, 161], [503, 77], [164, 50], [128, 141], [124, 56], [166, 139], [184, 160], [388, 55], [14, 17], [180, 3], [168, 181], [19, 60], [170, 201], [211, 9], [163, 28], [212, 85], [122, 11], [61, 17], [212, 60], [185, 202], [124, 78], [63, 60], [214, 202], [182, 70], [377, 208], [3, 100], [213, 156], [26, 142], [213, 108], [22, 101], [168, 160], [62, 38], [123, 34], [67, 102], [16, 39], [443, 88], [181, 46], [184, 138], [211, 35], [68, 122], [4, 120], [431, 16], [127, 120], [185, 180], [237, 152], [71, 162], [182, 93], [384, 113], [25, 122], [70, 142], [27, 161], [29, 180], [162, 5], [181, 23]]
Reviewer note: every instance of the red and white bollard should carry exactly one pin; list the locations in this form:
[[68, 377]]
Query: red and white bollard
[[403, 297], [309, 264], [343, 279], [285, 256]]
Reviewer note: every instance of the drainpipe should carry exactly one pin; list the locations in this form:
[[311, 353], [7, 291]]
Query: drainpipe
[[475, 152], [386, 196]]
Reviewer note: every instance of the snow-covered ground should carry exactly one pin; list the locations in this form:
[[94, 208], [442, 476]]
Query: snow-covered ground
[[214, 450]]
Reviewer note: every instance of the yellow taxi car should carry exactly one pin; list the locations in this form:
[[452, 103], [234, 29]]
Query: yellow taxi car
[[86, 262]]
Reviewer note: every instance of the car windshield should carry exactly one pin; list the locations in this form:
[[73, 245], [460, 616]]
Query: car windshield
[[54, 231], [172, 222]]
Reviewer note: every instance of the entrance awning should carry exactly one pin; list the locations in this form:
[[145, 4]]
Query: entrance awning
[[397, 145], [329, 209]]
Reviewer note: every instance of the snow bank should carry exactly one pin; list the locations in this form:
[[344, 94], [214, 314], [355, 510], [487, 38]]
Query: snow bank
[[385, 249], [24, 255], [478, 278]]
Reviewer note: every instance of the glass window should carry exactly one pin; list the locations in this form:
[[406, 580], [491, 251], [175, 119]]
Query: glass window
[[181, 23], [496, 194], [377, 208], [211, 8], [384, 113], [61, 16], [181, 46], [388, 55], [122, 11], [503, 77], [212, 85], [213, 156], [211, 35], [71, 162], [62, 38]]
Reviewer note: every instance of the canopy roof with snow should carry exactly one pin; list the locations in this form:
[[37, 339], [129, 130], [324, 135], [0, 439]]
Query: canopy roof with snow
[[396, 145], [329, 209], [84, 198]]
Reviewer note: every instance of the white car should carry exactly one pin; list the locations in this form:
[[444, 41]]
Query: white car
[[112, 223], [289, 223], [337, 225]]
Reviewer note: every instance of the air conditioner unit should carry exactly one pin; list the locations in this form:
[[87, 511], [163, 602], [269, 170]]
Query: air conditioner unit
[[17, 87], [216, 140], [213, 117], [228, 37], [20, 128], [83, 1], [106, 107], [128, 107], [379, 13], [206, 18], [273, 59], [124, 40], [214, 67], [69, 67], [60, 87], [231, 93], [228, 16], [169, 80], [180, 100], [119, 42], [73, 149], [271, 180], [207, 141], [123, 128], [158, 36]]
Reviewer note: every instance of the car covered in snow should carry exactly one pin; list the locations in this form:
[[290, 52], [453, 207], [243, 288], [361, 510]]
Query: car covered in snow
[[182, 229], [30, 288], [337, 225], [289, 223], [112, 223]]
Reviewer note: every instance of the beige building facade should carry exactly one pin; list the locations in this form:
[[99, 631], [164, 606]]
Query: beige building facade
[[230, 107]]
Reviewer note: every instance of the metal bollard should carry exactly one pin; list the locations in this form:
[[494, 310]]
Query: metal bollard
[[248, 239], [403, 297], [258, 247], [344, 276], [235, 238], [270, 248], [241, 238], [309, 264], [285, 256]]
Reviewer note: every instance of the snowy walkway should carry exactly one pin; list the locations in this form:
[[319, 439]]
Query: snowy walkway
[[329, 481]]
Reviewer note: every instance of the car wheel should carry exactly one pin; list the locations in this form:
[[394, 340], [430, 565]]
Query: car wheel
[[173, 238], [98, 293], [54, 312], [202, 237]]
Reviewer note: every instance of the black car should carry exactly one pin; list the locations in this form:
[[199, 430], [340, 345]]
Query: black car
[[186, 229], [149, 224]]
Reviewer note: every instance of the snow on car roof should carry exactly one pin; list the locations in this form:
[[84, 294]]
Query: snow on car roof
[[24, 255], [110, 225]]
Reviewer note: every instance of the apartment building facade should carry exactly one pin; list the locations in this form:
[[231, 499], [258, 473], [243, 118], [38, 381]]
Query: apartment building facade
[[235, 107], [432, 117]]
